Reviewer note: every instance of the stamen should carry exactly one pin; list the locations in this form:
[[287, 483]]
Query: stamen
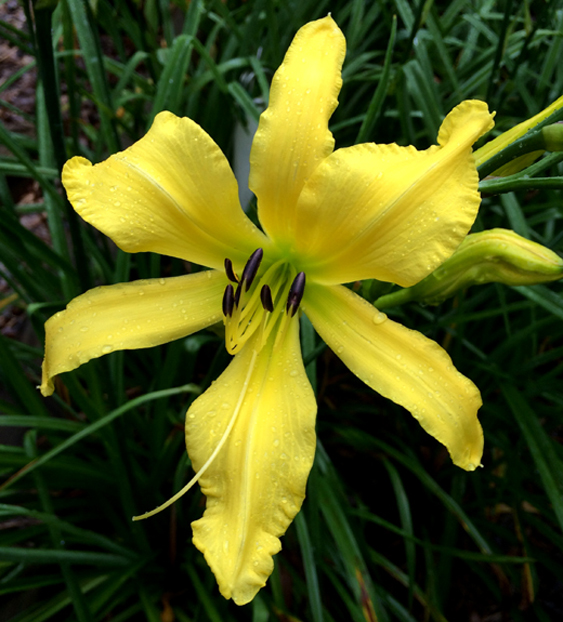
[[251, 268], [296, 292], [238, 293], [228, 301], [266, 298], [229, 271]]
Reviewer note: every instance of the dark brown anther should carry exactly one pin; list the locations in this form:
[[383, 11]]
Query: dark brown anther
[[229, 271], [295, 295], [266, 298], [228, 301], [238, 293], [251, 268]]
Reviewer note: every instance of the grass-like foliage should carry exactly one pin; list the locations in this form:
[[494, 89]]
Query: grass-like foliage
[[390, 529]]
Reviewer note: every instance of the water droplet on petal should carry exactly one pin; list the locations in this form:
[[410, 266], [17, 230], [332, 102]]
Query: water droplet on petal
[[379, 317]]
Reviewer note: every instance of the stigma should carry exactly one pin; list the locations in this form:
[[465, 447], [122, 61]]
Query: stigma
[[261, 301]]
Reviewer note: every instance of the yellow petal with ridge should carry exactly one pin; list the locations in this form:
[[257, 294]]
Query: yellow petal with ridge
[[293, 136], [172, 192], [388, 212], [402, 365], [256, 484], [128, 316]]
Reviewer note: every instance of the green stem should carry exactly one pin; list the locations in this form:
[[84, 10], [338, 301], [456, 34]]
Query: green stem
[[531, 141], [400, 297], [496, 185]]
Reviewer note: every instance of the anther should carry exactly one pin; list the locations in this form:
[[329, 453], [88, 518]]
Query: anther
[[228, 301], [229, 271], [251, 268], [238, 293], [295, 295], [266, 298]]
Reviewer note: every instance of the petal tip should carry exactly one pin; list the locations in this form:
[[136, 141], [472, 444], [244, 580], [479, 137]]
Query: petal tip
[[47, 388], [73, 167], [466, 123]]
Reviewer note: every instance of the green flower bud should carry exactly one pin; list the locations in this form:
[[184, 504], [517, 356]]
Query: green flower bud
[[494, 256], [553, 136]]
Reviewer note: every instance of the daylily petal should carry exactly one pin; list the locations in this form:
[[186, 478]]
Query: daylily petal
[[128, 316], [172, 192], [403, 366], [293, 135], [256, 484], [388, 212]]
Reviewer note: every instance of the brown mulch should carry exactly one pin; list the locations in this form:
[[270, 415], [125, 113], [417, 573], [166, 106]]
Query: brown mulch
[[21, 93]]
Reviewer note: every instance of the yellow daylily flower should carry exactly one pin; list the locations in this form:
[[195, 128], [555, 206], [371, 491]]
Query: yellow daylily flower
[[328, 217]]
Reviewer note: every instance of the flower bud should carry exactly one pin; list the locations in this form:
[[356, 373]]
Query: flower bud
[[553, 136], [494, 256]]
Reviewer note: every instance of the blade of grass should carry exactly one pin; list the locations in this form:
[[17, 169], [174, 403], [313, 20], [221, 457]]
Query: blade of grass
[[548, 464], [310, 568], [97, 425], [87, 34], [374, 109]]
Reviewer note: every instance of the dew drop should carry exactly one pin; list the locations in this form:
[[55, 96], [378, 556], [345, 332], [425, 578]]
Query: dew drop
[[162, 281], [277, 442], [379, 318], [84, 329], [107, 349]]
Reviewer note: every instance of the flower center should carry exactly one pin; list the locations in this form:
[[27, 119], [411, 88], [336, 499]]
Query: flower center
[[262, 301]]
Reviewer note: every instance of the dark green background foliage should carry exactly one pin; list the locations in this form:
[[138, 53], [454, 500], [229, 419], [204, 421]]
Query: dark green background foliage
[[390, 530]]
